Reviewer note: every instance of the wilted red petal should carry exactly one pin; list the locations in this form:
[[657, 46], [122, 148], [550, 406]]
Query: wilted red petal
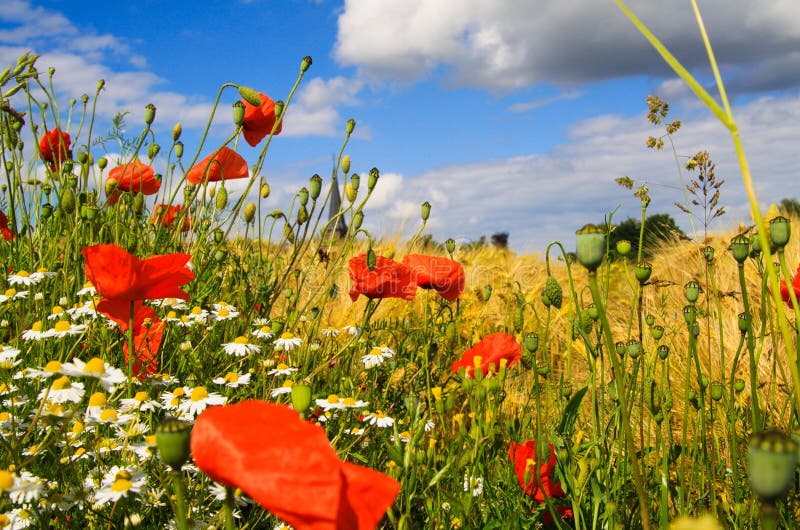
[[389, 279], [259, 121], [224, 164], [444, 275], [491, 349]]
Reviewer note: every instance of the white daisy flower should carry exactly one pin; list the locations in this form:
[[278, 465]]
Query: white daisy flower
[[88, 289], [473, 484], [36, 333], [186, 322], [199, 399], [172, 316], [85, 309], [285, 388], [283, 526], [171, 400], [429, 425], [264, 332], [7, 389], [19, 518], [57, 313], [380, 419], [351, 330], [27, 488], [355, 431], [50, 369], [65, 328], [199, 315], [376, 356], [23, 278], [139, 402], [352, 403], [12, 294], [8, 357], [282, 369], [109, 376], [232, 380], [260, 321], [332, 402], [42, 274], [404, 437], [173, 303], [240, 347], [288, 342], [220, 492], [109, 416], [330, 332], [63, 391], [119, 483]]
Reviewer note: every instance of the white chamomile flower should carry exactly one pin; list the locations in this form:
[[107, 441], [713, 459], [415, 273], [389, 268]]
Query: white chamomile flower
[[351, 330], [50, 369], [199, 315], [330, 332], [12, 294], [173, 303], [8, 357], [264, 332], [288, 342], [23, 278], [285, 388], [404, 437], [57, 313], [139, 402], [240, 347], [42, 274], [65, 328], [87, 289], [35, 333], [356, 431], [260, 321], [187, 322], [380, 419], [232, 380], [172, 316], [376, 356], [474, 485], [119, 483], [282, 369], [110, 416], [198, 400], [63, 391], [108, 376], [429, 425], [172, 400]]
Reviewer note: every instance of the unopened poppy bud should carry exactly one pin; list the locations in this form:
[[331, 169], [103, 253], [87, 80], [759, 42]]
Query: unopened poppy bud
[[138, 203], [346, 164], [315, 187], [552, 293], [349, 192], [101, 84], [744, 322], [780, 230], [740, 246], [220, 255], [772, 458], [179, 149], [350, 126], [149, 113], [279, 108], [302, 215], [238, 113], [374, 175], [590, 246], [289, 233], [221, 200], [358, 218], [692, 291], [531, 342], [426, 210], [153, 150], [653, 397], [47, 210], [623, 247], [371, 260], [303, 196], [82, 158], [264, 191], [305, 63], [111, 186], [738, 385], [450, 245], [176, 132], [355, 181], [102, 162], [219, 235], [250, 95], [643, 271], [249, 212], [690, 314], [486, 293], [173, 437], [593, 312], [663, 352], [301, 398]]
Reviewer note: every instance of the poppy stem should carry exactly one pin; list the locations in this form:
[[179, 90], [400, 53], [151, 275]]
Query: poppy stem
[[227, 507], [180, 500]]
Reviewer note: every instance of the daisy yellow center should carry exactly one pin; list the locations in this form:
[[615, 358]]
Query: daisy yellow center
[[57, 310], [121, 484], [122, 474], [223, 312], [52, 366], [56, 409], [95, 365], [37, 326], [4, 416], [240, 340], [150, 439], [184, 319], [23, 274], [376, 352], [6, 480], [223, 304], [172, 314], [98, 399], [231, 377], [41, 269], [282, 366], [287, 336], [4, 521], [108, 415], [405, 434], [10, 292], [62, 326], [3, 388], [288, 384], [265, 329], [333, 398], [350, 402], [179, 392], [79, 452], [88, 285], [197, 310], [77, 428], [62, 383], [199, 393], [379, 414], [140, 396]]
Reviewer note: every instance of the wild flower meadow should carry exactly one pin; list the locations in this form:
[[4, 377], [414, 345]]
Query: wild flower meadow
[[175, 356]]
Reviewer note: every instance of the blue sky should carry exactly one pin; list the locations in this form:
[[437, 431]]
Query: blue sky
[[506, 115]]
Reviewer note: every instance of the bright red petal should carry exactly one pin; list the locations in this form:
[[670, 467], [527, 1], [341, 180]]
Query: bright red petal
[[367, 495], [224, 164], [163, 276], [112, 270]]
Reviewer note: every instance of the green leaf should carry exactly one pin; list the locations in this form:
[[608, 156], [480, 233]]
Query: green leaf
[[571, 412]]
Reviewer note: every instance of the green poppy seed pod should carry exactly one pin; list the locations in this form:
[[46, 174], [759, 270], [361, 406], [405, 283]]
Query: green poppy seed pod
[[66, 169], [89, 213], [301, 398], [238, 113], [744, 322], [305, 63], [643, 271], [219, 255], [221, 200], [152, 151], [738, 385], [219, 235], [772, 458], [708, 254], [374, 175], [249, 212], [173, 437], [531, 342], [566, 390], [358, 218], [351, 125], [346, 164], [650, 320], [621, 348], [590, 246], [149, 113], [755, 244], [703, 382], [138, 203], [657, 332], [780, 229], [740, 246], [179, 149], [486, 293], [692, 291], [176, 132], [250, 95], [102, 162], [450, 245], [315, 187], [371, 259], [623, 247], [426, 210], [542, 369], [303, 196], [47, 210], [633, 348], [552, 293], [302, 215], [689, 314], [717, 389], [82, 158], [333, 292], [593, 312], [663, 352], [111, 186], [350, 192], [264, 191]]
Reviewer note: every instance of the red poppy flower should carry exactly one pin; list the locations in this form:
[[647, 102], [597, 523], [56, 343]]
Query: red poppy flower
[[224, 164], [5, 230], [165, 214], [491, 349], [259, 121], [795, 286], [537, 480], [54, 148], [389, 279], [148, 331], [288, 466], [134, 177], [120, 276], [444, 275]]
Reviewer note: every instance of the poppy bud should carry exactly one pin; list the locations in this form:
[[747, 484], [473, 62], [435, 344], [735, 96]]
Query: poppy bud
[[692, 291], [780, 229], [690, 314], [305, 63], [486, 293], [102, 162], [738, 385], [519, 317], [302, 215], [653, 397], [740, 246], [221, 200], [47, 210], [643, 271], [346, 164], [450, 245], [358, 218], [374, 175], [744, 322], [590, 246], [351, 125], [179, 149], [264, 191], [250, 95], [279, 106], [623, 247], [315, 187], [238, 113], [593, 312], [426, 210], [349, 192], [138, 203], [289, 233], [716, 391], [301, 398], [101, 84], [173, 437], [663, 351], [176, 132], [703, 382], [249, 212], [552, 293], [219, 235], [153, 150], [303, 196], [657, 332], [219, 255], [149, 113], [772, 458], [371, 260]]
